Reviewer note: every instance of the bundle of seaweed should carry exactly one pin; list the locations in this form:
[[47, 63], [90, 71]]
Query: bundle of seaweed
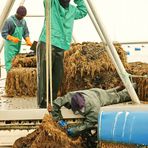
[[85, 64], [48, 135], [140, 76], [21, 81], [24, 60]]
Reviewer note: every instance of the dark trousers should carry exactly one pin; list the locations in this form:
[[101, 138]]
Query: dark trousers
[[57, 72]]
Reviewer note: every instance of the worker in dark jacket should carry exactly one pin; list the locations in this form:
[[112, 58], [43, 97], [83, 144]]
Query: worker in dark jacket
[[13, 30], [87, 103], [63, 15]]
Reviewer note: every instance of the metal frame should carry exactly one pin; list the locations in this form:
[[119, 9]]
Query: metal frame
[[30, 114]]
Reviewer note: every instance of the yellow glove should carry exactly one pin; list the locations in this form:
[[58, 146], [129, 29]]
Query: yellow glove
[[28, 42], [13, 39]]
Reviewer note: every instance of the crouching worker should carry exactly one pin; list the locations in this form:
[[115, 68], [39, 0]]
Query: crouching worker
[[86, 103]]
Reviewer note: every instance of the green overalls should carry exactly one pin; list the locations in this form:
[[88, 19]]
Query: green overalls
[[11, 48], [62, 21]]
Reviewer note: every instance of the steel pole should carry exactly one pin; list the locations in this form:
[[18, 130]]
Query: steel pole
[[5, 12], [3, 17], [123, 74]]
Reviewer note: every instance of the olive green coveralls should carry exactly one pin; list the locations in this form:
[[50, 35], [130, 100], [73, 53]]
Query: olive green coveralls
[[94, 99]]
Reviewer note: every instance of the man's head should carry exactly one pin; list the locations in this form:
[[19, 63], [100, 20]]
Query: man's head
[[77, 102], [64, 3], [21, 12]]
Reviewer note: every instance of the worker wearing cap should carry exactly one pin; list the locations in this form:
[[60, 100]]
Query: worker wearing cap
[[13, 30], [86, 103], [63, 15]]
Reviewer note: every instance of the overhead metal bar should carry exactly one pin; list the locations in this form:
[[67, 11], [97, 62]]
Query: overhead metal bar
[[31, 15], [134, 42], [99, 31], [115, 57]]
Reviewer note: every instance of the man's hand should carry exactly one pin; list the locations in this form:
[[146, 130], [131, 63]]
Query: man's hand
[[49, 108], [13, 39], [28, 42], [62, 123]]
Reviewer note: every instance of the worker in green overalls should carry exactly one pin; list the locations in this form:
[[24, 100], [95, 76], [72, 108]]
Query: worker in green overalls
[[13, 30], [63, 15], [87, 103]]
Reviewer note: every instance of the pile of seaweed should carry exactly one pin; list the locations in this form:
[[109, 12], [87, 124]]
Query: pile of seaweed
[[139, 73], [48, 135], [24, 60], [88, 65], [21, 81], [22, 78]]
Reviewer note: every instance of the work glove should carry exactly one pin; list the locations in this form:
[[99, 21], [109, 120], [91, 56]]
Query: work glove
[[62, 123], [28, 42], [13, 39], [70, 132]]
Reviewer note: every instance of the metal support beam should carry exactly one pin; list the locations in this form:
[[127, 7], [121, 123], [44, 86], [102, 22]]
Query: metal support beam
[[5, 12], [35, 15], [118, 64], [134, 42]]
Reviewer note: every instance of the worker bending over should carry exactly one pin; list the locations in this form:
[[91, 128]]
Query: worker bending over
[[63, 15], [13, 30], [86, 103]]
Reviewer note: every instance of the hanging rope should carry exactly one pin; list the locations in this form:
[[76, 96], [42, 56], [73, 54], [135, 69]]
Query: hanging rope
[[48, 53]]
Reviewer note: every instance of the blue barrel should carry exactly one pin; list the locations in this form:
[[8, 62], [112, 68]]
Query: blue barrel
[[123, 127]]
